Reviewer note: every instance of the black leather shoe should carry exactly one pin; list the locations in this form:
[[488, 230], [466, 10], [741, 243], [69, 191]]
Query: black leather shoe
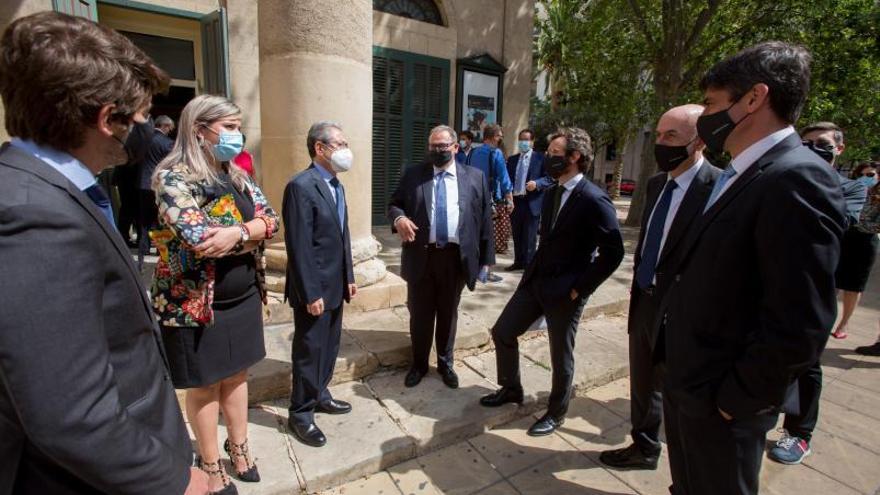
[[545, 426], [308, 434], [502, 396], [413, 378], [449, 377], [333, 406], [630, 457], [514, 267]]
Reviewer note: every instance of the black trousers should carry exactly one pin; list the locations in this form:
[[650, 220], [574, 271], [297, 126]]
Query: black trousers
[[148, 213], [524, 228], [809, 391], [314, 351], [433, 304], [128, 206], [563, 317], [711, 455], [645, 376]]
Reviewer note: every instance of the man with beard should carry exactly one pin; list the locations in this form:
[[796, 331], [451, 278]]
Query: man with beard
[[675, 201], [581, 246]]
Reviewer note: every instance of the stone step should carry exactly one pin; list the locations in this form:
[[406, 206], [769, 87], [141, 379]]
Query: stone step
[[391, 424]]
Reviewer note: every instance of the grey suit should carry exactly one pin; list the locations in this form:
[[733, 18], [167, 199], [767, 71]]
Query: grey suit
[[86, 405]]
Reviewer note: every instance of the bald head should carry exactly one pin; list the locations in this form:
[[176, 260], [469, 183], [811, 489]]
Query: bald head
[[678, 126]]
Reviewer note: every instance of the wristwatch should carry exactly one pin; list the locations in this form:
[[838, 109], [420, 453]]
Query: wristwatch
[[245, 233]]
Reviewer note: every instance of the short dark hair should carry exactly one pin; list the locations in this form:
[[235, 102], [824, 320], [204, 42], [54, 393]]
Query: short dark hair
[[531, 133], [466, 134], [824, 127], [576, 139], [857, 172], [57, 71], [783, 67], [491, 131]]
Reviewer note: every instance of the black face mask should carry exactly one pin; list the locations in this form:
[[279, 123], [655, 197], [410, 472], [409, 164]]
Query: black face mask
[[715, 128], [827, 154], [438, 158], [670, 157], [555, 166]]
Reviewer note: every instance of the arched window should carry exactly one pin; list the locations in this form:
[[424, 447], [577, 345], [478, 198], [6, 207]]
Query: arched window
[[420, 10]]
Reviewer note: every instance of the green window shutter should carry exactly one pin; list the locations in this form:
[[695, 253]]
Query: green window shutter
[[215, 53], [80, 8]]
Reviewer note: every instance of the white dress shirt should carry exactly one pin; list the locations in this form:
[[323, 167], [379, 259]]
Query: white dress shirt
[[751, 154], [568, 186], [522, 173], [683, 182], [63, 162], [452, 206]]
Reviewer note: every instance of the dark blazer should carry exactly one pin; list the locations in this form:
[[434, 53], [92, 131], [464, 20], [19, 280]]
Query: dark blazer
[[412, 199], [86, 405], [564, 259], [318, 250], [689, 213], [160, 146], [536, 173], [753, 301]]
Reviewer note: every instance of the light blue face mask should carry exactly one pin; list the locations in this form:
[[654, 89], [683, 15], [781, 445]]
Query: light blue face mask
[[524, 146], [228, 146], [868, 181]]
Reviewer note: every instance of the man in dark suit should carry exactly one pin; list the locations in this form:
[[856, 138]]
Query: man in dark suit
[[148, 212], [526, 170], [86, 405], [319, 276], [581, 246], [442, 211], [465, 146], [675, 201], [753, 299]]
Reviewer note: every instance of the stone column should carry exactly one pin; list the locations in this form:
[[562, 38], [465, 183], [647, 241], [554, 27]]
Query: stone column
[[316, 64]]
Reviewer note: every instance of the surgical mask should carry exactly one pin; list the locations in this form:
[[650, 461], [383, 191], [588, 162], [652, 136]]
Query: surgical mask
[[827, 154], [229, 145], [524, 146], [715, 128], [555, 165], [869, 182], [438, 158], [341, 160], [462, 144], [670, 157]]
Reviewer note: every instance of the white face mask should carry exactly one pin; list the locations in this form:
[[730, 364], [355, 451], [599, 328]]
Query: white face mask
[[341, 160]]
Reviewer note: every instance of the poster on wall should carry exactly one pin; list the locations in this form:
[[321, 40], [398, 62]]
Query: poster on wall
[[479, 102]]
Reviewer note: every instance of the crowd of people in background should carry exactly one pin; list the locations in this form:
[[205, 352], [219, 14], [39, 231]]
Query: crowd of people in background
[[734, 292]]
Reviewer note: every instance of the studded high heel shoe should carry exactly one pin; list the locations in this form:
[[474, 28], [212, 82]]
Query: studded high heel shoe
[[241, 451], [216, 469]]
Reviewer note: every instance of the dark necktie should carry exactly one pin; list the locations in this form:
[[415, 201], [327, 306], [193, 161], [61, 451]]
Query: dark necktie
[[96, 194], [440, 220], [654, 237], [340, 202], [557, 202]]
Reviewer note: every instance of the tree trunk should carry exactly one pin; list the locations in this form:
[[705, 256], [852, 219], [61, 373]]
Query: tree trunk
[[648, 169], [617, 178]]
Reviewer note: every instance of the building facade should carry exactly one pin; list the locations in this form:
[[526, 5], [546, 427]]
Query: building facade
[[385, 70]]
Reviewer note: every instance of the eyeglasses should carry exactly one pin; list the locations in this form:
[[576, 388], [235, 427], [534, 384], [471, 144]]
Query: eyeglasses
[[440, 146], [337, 146]]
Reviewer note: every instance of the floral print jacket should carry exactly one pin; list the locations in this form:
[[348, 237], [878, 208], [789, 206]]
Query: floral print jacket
[[183, 285]]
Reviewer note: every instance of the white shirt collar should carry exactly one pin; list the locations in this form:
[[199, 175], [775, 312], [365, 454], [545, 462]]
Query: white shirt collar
[[684, 180], [751, 154], [449, 170], [570, 183], [75, 171]]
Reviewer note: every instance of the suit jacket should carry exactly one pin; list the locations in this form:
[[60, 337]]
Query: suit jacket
[[753, 301], [689, 212], [318, 251], [535, 173], [86, 404], [412, 199], [564, 259], [160, 146]]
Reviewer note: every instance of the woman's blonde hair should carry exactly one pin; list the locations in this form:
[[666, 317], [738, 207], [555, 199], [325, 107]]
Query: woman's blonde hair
[[190, 151]]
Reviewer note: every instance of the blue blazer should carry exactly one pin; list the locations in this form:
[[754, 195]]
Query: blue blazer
[[412, 199], [318, 250], [536, 173]]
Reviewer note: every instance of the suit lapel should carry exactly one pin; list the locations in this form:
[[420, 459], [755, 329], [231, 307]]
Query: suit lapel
[[653, 195], [464, 195], [427, 187], [691, 206], [323, 190], [569, 203]]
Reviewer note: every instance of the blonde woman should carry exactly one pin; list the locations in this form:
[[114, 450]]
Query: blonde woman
[[206, 290]]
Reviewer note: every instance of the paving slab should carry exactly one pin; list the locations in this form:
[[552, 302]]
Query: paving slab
[[382, 333], [849, 464], [510, 450], [535, 378], [434, 415], [779, 479], [591, 427], [569, 473], [360, 443], [853, 397], [850, 425], [614, 396], [454, 470], [377, 484], [269, 444]]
